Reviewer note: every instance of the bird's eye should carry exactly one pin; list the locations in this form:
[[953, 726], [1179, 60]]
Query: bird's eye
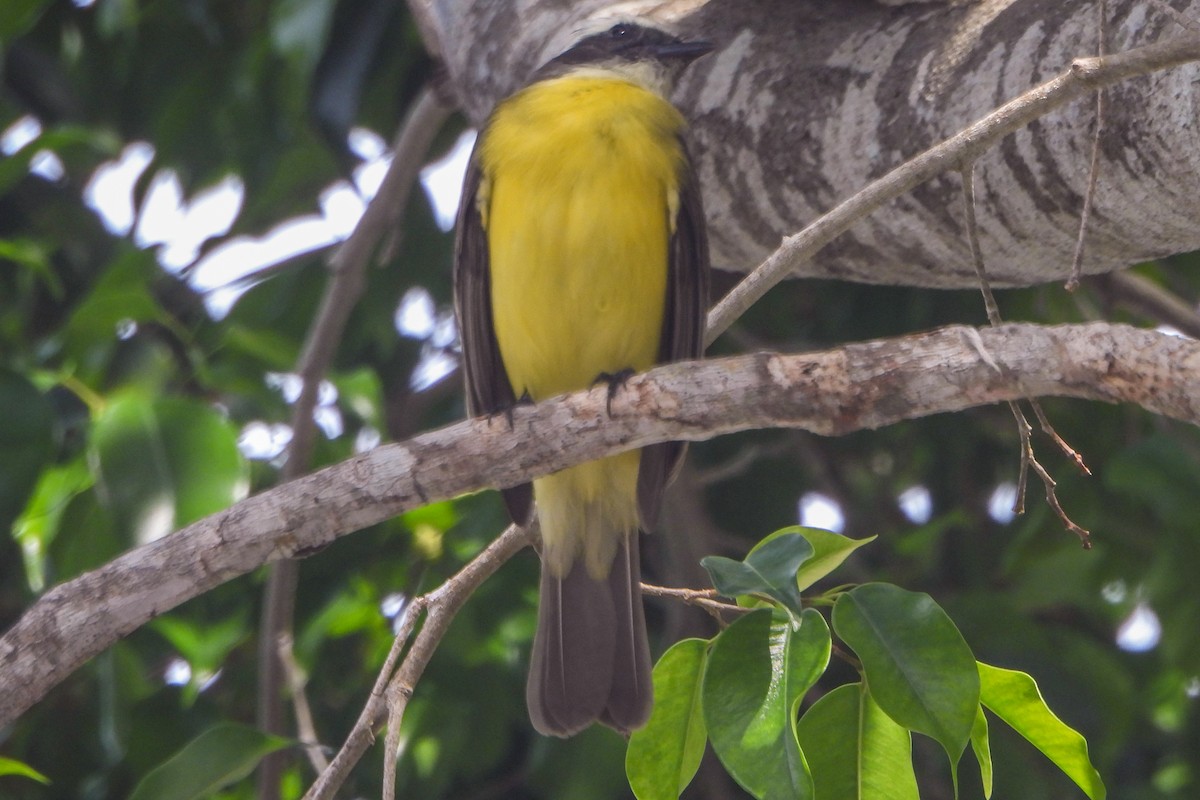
[[619, 31]]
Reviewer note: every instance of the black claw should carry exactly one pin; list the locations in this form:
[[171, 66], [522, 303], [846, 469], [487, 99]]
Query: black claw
[[507, 411], [616, 381]]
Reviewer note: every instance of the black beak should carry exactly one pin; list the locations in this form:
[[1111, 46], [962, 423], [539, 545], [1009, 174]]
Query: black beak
[[683, 51]]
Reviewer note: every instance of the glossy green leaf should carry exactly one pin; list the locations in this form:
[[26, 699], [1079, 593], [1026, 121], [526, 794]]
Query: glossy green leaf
[[917, 665], [10, 766], [983, 751], [829, 551], [1014, 697], [854, 750], [222, 755], [663, 756], [758, 671], [166, 462], [769, 570]]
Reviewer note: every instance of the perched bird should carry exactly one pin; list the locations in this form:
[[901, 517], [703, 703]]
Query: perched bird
[[581, 257]]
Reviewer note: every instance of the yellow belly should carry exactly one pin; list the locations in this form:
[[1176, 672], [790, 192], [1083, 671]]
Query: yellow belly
[[580, 177]]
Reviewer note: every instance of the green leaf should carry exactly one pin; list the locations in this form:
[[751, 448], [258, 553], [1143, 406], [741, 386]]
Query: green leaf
[[663, 756], [769, 569], [1014, 698], [122, 293], [166, 462], [855, 751], [758, 671], [983, 751], [19, 16], [916, 663], [26, 442], [222, 755], [829, 551], [41, 520], [10, 766]]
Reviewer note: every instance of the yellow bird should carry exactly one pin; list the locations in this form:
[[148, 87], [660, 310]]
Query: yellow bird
[[581, 256]]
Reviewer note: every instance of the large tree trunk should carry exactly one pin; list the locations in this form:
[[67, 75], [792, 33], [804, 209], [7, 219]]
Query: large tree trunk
[[806, 101]]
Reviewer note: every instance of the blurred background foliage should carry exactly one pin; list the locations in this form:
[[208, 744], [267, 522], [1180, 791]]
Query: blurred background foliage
[[132, 402]]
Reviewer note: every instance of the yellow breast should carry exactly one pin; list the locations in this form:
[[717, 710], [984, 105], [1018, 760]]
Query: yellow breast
[[580, 185]]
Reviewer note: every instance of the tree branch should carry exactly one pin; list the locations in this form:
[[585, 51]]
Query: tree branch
[[857, 386], [806, 101], [1085, 75]]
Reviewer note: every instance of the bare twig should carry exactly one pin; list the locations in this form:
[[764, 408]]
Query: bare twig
[[1084, 75], [304, 718], [701, 598], [1028, 459], [989, 300], [1089, 194], [362, 735], [1067, 450], [347, 266], [439, 606]]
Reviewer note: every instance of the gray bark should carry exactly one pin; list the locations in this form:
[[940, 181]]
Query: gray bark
[[806, 101], [856, 387]]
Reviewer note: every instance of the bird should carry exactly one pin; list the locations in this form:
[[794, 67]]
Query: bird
[[581, 256]]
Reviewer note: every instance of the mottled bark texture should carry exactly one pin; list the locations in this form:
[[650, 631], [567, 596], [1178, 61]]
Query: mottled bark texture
[[806, 101]]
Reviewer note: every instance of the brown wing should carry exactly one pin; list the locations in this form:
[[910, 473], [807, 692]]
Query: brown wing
[[682, 332], [488, 389]]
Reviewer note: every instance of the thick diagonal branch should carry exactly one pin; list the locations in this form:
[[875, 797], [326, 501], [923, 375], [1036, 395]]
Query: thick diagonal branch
[[858, 386]]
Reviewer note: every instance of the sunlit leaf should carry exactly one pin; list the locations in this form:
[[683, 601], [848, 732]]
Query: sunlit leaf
[[10, 766], [664, 755], [758, 671], [983, 751], [1014, 698], [854, 750], [829, 551], [914, 659]]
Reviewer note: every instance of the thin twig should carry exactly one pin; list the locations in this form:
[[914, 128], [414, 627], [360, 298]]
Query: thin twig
[[304, 718], [392, 691], [1089, 195], [1067, 450], [347, 266], [1085, 537], [1028, 459], [989, 300], [362, 735], [701, 598]]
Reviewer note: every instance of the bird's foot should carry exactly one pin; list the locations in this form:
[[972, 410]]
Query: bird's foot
[[616, 382]]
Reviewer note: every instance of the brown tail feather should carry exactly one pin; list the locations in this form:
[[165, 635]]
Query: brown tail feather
[[590, 657]]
